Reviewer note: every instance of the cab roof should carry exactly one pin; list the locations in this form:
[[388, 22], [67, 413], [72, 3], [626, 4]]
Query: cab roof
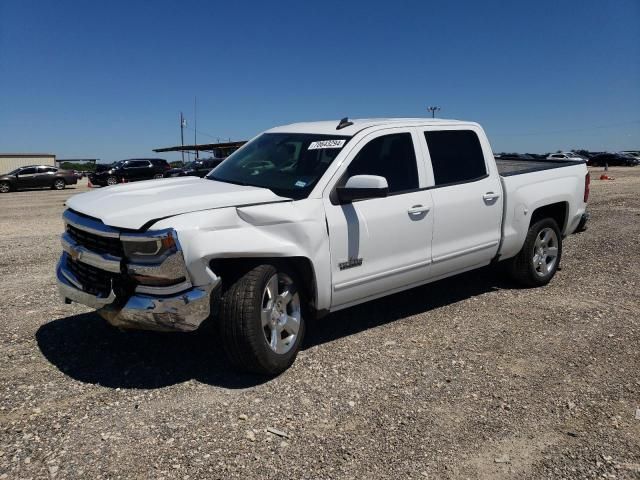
[[328, 127]]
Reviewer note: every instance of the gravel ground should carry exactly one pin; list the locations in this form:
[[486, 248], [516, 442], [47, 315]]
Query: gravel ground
[[466, 378]]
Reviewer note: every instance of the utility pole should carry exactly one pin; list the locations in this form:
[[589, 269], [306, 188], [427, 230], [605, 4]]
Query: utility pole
[[182, 124], [195, 125], [433, 111]]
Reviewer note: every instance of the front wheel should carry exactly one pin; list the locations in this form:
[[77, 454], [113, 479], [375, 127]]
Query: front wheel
[[537, 262], [261, 324], [5, 187], [112, 181], [58, 184]]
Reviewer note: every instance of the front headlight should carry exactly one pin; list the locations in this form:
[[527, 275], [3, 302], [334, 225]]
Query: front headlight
[[152, 248], [155, 261]]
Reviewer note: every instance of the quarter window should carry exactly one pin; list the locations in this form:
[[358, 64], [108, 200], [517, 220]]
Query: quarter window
[[456, 156], [390, 156]]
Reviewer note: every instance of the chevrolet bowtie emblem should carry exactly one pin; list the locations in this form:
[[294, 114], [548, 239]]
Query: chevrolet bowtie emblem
[[75, 254]]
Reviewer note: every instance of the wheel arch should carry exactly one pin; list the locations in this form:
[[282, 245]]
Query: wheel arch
[[230, 269], [556, 211]]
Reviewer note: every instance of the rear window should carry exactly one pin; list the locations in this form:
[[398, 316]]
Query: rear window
[[456, 156]]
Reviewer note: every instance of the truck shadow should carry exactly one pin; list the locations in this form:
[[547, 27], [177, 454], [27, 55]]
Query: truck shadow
[[88, 349], [405, 304]]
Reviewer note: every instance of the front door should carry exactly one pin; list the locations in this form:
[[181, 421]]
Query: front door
[[381, 244], [27, 177]]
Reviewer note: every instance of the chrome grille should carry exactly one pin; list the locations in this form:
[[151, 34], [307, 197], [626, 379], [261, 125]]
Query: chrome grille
[[96, 243]]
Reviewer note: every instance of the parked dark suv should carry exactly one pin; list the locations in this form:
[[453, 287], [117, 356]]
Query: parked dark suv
[[198, 168], [37, 176], [130, 171]]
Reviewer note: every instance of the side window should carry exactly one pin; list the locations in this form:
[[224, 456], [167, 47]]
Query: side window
[[390, 156], [456, 156], [27, 171], [137, 164]]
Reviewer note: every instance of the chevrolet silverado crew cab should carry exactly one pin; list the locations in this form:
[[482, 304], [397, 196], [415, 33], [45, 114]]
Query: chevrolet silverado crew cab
[[312, 218]]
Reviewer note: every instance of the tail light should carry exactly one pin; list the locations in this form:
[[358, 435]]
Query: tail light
[[587, 183]]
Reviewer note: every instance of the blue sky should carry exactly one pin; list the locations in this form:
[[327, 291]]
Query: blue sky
[[108, 79]]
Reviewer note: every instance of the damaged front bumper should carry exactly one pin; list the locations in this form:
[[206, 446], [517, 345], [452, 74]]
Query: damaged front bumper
[[183, 311]]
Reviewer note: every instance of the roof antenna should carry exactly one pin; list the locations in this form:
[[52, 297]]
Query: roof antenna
[[344, 123]]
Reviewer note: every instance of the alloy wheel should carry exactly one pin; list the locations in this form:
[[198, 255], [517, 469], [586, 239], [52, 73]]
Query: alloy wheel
[[545, 252], [280, 313]]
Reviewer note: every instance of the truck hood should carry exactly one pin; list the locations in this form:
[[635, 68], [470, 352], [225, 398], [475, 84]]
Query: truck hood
[[133, 205]]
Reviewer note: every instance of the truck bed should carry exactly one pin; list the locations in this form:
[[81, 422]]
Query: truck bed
[[512, 166]]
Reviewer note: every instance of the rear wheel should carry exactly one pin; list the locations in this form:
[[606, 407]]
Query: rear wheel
[[112, 180], [158, 175], [5, 187], [537, 262], [58, 184], [261, 324]]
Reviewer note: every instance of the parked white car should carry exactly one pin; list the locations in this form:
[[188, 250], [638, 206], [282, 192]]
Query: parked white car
[[566, 156], [311, 218]]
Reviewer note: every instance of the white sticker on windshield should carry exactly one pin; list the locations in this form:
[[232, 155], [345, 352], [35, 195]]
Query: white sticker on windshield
[[326, 144], [300, 183]]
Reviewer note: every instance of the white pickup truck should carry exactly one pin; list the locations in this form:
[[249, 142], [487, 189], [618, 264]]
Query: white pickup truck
[[312, 218]]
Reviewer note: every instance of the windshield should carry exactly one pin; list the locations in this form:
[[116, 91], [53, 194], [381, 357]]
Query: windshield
[[13, 172], [288, 164]]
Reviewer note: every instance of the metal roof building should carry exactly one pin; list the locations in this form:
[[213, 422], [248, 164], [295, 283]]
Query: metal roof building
[[11, 161]]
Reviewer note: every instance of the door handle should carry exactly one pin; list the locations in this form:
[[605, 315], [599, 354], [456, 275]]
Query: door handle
[[490, 197], [418, 209]]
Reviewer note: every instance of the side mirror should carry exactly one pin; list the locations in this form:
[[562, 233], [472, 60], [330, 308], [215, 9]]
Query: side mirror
[[360, 187]]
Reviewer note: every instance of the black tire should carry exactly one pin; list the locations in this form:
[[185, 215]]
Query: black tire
[[111, 181], [523, 268], [58, 184], [5, 187], [157, 176], [240, 327]]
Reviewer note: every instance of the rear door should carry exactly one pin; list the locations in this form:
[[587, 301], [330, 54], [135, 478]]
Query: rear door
[[44, 176], [466, 197], [139, 170], [380, 245]]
